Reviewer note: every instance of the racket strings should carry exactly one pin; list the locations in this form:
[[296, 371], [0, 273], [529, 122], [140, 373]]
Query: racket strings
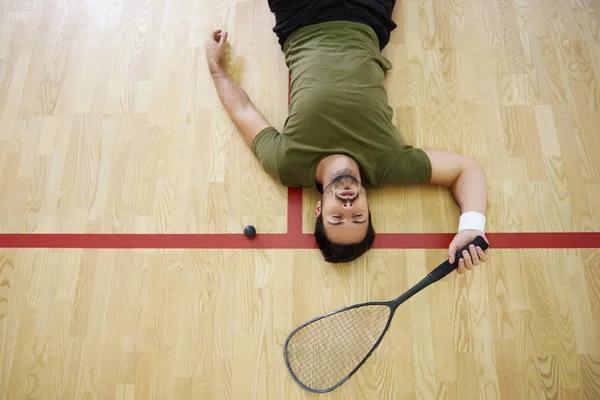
[[324, 352]]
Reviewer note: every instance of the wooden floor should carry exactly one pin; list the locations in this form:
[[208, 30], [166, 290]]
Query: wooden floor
[[211, 324], [109, 123]]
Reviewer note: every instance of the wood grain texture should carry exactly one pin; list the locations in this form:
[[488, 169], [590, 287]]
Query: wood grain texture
[[109, 122], [112, 118], [109, 112], [212, 323]]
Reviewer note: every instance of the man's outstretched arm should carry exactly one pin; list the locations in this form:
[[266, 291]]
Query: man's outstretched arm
[[235, 101], [465, 178]]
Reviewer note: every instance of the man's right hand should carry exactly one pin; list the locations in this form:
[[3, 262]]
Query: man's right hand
[[234, 99], [215, 49]]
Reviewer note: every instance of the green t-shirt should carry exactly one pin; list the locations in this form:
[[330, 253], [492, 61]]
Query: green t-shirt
[[338, 105]]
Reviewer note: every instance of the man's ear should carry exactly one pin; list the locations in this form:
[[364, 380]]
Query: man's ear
[[318, 209]]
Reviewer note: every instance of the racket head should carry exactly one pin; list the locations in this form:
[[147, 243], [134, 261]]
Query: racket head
[[313, 370]]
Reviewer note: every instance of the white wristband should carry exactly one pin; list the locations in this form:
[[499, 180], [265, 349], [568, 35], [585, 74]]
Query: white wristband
[[472, 221]]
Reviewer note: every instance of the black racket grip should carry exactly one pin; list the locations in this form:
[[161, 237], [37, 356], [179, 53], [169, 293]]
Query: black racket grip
[[445, 268]]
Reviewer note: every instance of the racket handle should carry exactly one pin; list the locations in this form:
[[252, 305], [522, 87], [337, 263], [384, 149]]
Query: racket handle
[[445, 268]]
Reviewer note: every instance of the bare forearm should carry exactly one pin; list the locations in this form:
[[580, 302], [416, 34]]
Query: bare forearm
[[463, 176], [237, 104], [232, 96], [470, 188], [466, 180]]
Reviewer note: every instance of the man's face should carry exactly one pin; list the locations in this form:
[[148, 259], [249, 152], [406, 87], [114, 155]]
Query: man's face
[[345, 210]]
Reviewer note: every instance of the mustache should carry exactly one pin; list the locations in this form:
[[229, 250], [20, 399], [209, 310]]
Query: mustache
[[342, 180], [346, 200]]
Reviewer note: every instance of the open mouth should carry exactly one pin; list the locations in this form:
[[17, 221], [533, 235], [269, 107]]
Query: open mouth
[[347, 193]]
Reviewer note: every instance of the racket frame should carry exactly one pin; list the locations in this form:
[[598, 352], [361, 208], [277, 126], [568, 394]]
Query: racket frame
[[372, 303], [393, 306], [435, 275]]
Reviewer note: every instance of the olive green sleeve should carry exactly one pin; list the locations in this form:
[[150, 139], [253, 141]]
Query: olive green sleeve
[[411, 166], [265, 147]]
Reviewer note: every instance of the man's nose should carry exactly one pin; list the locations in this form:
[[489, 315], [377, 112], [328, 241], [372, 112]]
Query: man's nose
[[347, 204]]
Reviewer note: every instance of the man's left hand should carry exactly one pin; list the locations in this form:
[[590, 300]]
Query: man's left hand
[[472, 258]]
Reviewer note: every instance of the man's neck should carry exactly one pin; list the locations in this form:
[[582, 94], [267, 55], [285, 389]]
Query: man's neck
[[329, 168]]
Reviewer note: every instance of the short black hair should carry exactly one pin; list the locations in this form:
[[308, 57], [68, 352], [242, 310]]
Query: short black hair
[[342, 253]]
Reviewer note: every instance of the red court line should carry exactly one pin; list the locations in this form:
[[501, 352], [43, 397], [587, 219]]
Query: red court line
[[498, 240], [529, 240], [294, 211], [293, 239]]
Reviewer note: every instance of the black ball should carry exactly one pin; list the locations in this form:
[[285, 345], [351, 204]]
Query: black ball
[[250, 231]]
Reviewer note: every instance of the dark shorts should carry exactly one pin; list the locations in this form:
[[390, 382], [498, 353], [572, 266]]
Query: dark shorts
[[291, 15]]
